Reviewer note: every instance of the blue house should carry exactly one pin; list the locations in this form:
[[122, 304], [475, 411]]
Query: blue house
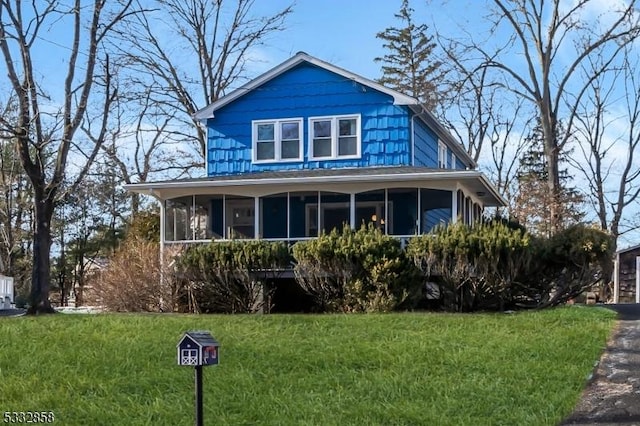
[[309, 146]]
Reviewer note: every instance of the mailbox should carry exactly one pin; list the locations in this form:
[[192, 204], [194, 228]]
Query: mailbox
[[198, 348]]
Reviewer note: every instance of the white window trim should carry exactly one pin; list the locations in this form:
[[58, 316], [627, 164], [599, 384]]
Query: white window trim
[[442, 155], [334, 137], [277, 126], [453, 160]]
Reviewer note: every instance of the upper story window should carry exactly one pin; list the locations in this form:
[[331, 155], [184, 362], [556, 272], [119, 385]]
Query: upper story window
[[453, 161], [277, 140], [442, 155], [334, 137]]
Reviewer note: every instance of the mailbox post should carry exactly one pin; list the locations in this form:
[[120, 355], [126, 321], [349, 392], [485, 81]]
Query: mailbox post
[[198, 349]]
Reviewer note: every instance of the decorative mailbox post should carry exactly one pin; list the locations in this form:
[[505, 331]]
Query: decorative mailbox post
[[198, 349]]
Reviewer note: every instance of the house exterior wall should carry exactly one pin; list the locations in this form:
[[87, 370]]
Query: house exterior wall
[[309, 91], [426, 145]]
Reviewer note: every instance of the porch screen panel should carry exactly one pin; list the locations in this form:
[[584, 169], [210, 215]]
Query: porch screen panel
[[370, 209], [467, 211], [177, 223], [460, 203], [477, 208], [207, 219], [405, 210], [335, 211], [436, 209], [303, 214], [240, 217], [273, 216]]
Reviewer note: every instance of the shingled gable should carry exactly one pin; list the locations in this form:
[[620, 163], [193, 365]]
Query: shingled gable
[[398, 98], [300, 57]]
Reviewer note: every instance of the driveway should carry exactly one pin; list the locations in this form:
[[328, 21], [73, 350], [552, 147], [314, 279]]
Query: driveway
[[11, 312], [613, 394]]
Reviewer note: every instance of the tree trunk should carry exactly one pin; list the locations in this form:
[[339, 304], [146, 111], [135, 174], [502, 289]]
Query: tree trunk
[[553, 180], [40, 278]]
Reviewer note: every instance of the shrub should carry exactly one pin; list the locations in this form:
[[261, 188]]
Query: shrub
[[569, 263], [356, 271], [133, 280], [145, 225], [232, 276], [476, 267]]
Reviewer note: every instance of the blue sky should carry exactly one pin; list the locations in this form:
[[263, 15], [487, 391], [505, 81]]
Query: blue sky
[[343, 32]]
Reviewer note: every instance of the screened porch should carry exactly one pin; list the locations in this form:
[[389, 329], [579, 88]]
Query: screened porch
[[299, 215]]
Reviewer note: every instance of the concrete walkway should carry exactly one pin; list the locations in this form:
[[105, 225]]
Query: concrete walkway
[[613, 395]]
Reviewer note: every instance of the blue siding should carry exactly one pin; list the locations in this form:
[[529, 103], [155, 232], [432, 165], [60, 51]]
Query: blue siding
[[426, 145], [309, 91], [460, 165]]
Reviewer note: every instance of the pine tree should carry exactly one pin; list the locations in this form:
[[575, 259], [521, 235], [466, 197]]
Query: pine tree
[[533, 201], [408, 67]]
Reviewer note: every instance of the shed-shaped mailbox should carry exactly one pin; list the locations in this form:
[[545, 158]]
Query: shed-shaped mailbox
[[198, 348]]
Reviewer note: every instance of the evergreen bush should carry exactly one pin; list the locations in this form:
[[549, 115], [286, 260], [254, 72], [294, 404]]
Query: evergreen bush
[[356, 271], [564, 266], [475, 267], [232, 277]]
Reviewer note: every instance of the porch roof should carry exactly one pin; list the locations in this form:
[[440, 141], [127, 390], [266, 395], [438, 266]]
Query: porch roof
[[338, 180]]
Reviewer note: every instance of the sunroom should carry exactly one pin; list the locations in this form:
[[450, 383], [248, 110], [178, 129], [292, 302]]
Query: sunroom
[[298, 205]]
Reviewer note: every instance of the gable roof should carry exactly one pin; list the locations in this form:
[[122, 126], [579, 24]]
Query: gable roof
[[398, 98], [300, 57]]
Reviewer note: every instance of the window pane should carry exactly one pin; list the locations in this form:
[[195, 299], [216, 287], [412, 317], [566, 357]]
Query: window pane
[[322, 147], [347, 146], [265, 151], [290, 149], [290, 131], [348, 127], [265, 132], [322, 129]]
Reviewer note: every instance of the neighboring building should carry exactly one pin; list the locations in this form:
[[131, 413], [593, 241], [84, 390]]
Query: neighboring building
[[6, 292], [626, 281], [308, 146]]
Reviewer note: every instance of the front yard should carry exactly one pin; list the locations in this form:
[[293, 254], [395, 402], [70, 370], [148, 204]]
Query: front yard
[[410, 368]]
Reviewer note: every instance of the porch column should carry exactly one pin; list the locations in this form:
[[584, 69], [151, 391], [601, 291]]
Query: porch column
[[387, 223], [454, 205], [289, 215], [225, 234], [162, 240], [419, 215], [352, 210], [163, 220], [192, 219], [256, 217], [319, 215]]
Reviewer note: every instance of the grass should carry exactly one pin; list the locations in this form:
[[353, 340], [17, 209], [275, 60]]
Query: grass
[[397, 369]]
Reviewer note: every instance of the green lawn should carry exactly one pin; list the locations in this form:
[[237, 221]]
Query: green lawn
[[407, 369]]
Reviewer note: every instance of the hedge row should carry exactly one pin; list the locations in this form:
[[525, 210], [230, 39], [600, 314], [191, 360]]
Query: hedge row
[[492, 265]]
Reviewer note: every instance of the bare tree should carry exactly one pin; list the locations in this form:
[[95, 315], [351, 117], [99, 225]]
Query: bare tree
[[552, 40], [608, 137], [16, 218], [488, 120], [36, 131], [210, 46], [142, 142]]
